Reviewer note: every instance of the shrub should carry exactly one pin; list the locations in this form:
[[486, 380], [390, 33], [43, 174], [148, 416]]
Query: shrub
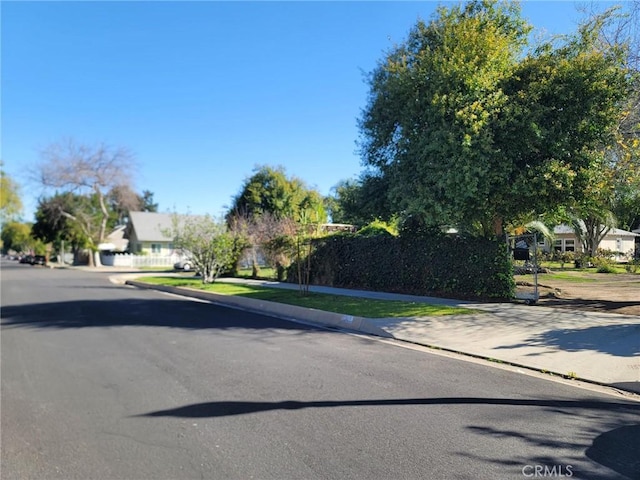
[[606, 269], [566, 257], [632, 266], [545, 256], [583, 260], [377, 227], [603, 265], [425, 263], [605, 254]]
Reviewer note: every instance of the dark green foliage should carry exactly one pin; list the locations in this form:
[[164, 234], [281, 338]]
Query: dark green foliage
[[374, 229], [423, 264], [360, 201], [148, 205], [466, 126], [66, 217], [270, 190]]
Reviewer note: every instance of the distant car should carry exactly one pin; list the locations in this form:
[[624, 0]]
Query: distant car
[[184, 265], [39, 260], [26, 259]]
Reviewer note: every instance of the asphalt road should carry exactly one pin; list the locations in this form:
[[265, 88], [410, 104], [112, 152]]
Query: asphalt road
[[101, 381]]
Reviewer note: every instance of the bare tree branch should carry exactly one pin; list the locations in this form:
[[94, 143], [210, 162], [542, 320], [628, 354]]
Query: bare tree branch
[[87, 170]]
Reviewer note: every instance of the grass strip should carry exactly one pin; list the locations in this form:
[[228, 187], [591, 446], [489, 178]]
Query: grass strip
[[357, 306]]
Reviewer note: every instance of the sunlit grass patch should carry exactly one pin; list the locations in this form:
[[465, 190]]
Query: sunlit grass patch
[[357, 306]]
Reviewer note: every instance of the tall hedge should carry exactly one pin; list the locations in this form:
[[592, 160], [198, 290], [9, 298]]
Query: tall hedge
[[433, 264]]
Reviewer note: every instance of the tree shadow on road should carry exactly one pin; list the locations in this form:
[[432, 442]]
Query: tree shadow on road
[[618, 449], [168, 313], [624, 441], [229, 408]]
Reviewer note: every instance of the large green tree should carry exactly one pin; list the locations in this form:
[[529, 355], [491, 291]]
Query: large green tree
[[270, 190], [10, 202], [66, 219], [273, 208], [470, 127], [148, 204], [16, 236], [613, 193], [359, 201]]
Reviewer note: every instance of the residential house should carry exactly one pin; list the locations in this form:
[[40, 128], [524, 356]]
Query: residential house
[[148, 233], [115, 241], [616, 240]]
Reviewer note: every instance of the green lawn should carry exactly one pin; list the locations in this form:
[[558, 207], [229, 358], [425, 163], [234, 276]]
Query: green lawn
[[265, 273], [570, 268], [357, 306], [577, 276], [573, 276]]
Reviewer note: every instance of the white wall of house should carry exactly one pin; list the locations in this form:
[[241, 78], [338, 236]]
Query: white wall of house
[[617, 240], [152, 248], [619, 243]]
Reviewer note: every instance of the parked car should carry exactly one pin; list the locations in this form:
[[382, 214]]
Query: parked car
[[183, 265], [39, 260], [26, 259]]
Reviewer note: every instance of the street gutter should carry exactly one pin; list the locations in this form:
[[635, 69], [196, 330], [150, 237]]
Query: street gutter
[[280, 310]]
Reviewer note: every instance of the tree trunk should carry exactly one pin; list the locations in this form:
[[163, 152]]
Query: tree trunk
[[105, 215], [279, 271], [594, 234], [255, 268], [498, 226]]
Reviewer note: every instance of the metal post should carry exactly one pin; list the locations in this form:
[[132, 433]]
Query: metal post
[[535, 266]]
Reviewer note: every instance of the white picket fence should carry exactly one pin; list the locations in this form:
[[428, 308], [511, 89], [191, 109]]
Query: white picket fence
[[137, 261]]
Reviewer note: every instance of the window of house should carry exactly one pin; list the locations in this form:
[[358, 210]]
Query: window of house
[[569, 245], [557, 245], [156, 248]]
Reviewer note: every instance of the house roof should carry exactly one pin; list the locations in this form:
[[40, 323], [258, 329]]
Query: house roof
[[116, 240], [566, 229], [149, 226], [624, 233], [560, 229]]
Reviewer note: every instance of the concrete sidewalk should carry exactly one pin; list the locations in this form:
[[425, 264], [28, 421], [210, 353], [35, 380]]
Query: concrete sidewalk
[[598, 347]]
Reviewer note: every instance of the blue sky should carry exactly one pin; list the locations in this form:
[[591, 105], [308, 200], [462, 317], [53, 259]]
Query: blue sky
[[202, 92]]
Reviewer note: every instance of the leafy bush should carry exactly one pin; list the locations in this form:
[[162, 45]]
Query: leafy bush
[[603, 264], [546, 257], [566, 257], [605, 268], [605, 253], [377, 227], [583, 260], [633, 266], [428, 263]]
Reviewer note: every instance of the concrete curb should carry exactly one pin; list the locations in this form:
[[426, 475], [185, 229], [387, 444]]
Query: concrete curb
[[287, 312]]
